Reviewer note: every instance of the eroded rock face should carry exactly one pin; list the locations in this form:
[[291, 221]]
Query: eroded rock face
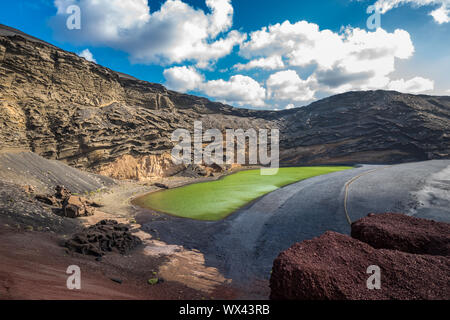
[[128, 167], [403, 233], [63, 107], [334, 267]]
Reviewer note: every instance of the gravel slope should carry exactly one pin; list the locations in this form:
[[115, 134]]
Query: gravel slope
[[19, 169], [27, 168]]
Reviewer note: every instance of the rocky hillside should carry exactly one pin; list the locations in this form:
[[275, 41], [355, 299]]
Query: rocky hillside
[[368, 127], [62, 107]]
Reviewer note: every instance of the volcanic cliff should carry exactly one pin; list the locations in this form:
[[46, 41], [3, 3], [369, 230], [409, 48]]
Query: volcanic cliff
[[63, 107]]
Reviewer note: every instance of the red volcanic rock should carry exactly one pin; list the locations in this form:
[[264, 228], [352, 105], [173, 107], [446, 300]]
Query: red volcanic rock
[[334, 267], [403, 233]]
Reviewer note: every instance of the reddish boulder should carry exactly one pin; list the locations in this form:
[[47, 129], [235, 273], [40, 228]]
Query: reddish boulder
[[403, 233], [334, 267], [74, 207]]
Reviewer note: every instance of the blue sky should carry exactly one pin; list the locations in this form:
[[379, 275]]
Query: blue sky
[[265, 54]]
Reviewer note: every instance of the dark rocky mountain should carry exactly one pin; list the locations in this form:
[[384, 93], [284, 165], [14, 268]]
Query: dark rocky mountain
[[368, 127], [63, 107]]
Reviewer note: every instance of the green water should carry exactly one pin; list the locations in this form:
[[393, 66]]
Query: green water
[[216, 200]]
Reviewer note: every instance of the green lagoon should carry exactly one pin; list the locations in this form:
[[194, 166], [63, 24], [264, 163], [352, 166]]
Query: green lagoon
[[215, 200]]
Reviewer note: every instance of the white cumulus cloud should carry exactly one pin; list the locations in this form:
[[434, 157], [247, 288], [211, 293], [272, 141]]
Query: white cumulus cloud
[[353, 59], [176, 33], [183, 78], [238, 90], [290, 106], [414, 85], [288, 86], [185, 39], [440, 15], [270, 63], [241, 90], [87, 54]]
